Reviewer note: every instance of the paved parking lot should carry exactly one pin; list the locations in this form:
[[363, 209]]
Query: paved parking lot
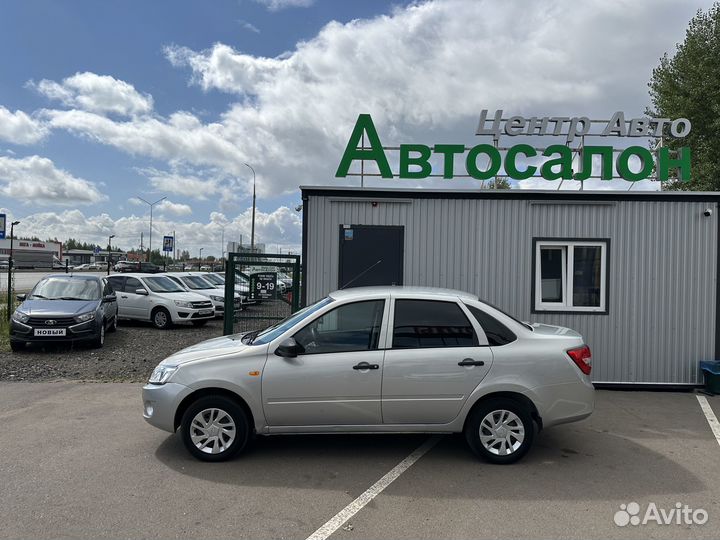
[[77, 460]]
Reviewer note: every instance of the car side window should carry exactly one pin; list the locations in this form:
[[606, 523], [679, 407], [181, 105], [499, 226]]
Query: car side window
[[350, 327], [497, 333], [132, 284], [116, 282], [423, 324]]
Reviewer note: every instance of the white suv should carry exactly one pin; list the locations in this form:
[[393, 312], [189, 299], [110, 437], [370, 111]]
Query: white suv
[[160, 300], [194, 282]]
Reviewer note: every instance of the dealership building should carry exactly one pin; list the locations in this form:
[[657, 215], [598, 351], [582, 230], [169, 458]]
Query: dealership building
[[636, 273]]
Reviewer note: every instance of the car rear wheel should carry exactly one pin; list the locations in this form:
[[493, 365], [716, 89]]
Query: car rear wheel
[[161, 319], [500, 430], [214, 428]]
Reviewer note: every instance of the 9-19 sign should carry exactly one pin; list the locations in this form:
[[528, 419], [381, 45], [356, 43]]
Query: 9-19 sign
[[263, 285]]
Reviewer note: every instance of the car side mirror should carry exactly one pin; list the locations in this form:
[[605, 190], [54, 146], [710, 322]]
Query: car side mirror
[[21, 297], [289, 348], [141, 291], [109, 298]]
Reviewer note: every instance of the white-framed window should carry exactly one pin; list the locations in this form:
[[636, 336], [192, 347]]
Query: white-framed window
[[570, 275]]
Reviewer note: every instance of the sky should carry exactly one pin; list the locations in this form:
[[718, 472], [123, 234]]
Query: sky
[[103, 103]]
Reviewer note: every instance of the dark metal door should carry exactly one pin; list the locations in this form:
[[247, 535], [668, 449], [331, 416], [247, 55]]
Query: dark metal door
[[371, 255]]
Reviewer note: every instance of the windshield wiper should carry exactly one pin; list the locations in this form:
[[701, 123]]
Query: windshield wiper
[[250, 337], [70, 298], [40, 296]]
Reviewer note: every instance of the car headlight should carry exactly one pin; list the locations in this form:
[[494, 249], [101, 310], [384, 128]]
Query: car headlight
[[85, 316], [217, 298], [19, 316], [161, 374], [181, 303]]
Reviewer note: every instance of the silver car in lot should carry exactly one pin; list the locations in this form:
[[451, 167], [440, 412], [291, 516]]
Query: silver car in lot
[[377, 359]]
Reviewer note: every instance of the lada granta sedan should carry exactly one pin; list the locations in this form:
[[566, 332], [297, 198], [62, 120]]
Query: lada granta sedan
[[377, 359]]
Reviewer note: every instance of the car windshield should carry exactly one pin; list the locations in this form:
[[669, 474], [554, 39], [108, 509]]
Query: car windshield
[[66, 288], [162, 284], [270, 333], [214, 279], [241, 278], [196, 283]]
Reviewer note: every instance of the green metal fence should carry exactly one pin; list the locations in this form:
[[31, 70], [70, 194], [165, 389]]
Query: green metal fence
[[270, 287]]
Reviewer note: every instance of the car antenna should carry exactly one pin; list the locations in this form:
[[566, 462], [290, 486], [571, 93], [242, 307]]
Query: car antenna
[[361, 274]]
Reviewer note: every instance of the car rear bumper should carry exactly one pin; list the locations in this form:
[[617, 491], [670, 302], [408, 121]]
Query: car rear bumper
[[564, 403]]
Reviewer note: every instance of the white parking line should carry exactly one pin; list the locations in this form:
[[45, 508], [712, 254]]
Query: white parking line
[[354, 507], [710, 415]]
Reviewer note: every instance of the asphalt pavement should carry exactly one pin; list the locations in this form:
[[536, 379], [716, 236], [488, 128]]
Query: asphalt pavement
[[77, 460]]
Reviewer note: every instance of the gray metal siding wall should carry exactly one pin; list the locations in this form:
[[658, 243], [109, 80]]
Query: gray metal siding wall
[[662, 268]]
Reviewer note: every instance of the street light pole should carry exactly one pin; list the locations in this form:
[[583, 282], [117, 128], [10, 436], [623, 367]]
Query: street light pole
[[151, 209], [252, 231], [200, 263], [10, 265], [109, 249]]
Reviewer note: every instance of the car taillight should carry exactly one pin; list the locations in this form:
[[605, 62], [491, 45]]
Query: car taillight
[[582, 358]]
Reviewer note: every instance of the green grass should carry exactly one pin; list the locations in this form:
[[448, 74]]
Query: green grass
[[4, 332]]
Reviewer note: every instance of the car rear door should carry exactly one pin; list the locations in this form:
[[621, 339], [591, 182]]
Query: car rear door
[[436, 357], [337, 380], [118, 284]]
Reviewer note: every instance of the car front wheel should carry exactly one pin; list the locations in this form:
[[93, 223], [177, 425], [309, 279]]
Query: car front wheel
[[500, 430], [17, 346], [99, 340], [214, 428], [161, 319]]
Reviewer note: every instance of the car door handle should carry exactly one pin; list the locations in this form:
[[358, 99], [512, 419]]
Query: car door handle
[[123, 296], [366, 365], [471, 362]]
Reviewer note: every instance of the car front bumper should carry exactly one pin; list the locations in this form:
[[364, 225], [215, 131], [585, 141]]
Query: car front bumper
[[21, 332], [160, 402]]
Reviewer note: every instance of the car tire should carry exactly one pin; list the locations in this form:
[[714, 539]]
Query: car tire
[[99, 340], [215, 428], [500, 430], [198, 324], [17, 346], [161, 319], [113, 326]]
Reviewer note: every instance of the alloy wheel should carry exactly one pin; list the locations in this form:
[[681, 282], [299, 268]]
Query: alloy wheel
[[502, 432], [212, 431]]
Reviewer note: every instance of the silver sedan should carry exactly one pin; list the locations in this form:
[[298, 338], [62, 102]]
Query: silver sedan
[[377, 359]]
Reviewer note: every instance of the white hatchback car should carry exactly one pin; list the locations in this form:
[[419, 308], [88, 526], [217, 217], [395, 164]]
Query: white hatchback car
[[159, 300], [194, 282]]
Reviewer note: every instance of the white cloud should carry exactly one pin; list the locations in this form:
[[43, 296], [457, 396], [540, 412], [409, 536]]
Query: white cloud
[[424, 72], [179, 183], [19, 128], [178, 209], [282, 227], [275, 5], [96, 93], [248, 26], [36, 180]]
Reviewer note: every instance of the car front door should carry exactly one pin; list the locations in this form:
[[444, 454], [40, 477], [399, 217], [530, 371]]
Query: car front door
[[337, 379], [137, 306], [436, 358]]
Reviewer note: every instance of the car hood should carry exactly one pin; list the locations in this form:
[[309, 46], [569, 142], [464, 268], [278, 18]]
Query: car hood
[[552, 330], [210, 348], [68, 308], [186, 296]]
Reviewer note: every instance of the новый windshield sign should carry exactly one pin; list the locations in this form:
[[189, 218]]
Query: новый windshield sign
[[485, 161]]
